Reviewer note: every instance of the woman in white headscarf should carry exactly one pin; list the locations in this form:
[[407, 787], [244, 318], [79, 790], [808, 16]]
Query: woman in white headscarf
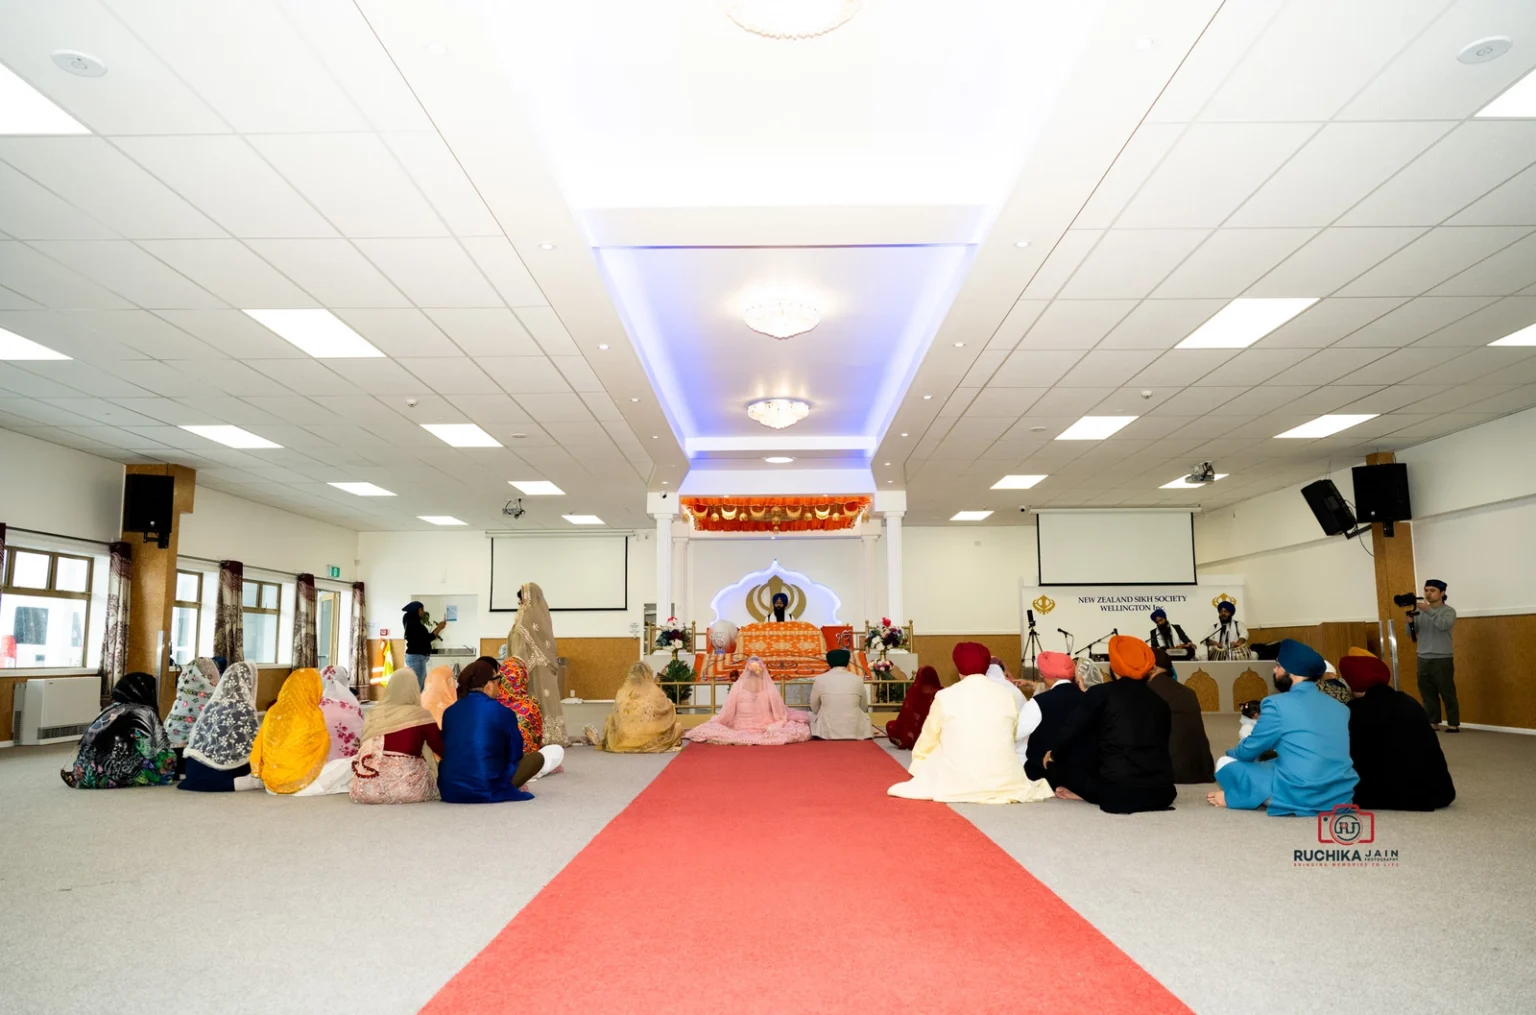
[[219, 748], [532, 639], [194, 688]]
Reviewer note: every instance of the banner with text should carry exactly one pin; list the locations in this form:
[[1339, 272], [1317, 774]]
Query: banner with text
[[1091, 612]]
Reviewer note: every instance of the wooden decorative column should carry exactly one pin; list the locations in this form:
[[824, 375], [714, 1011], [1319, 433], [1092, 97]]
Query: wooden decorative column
[[1394, 576], [154, 585]]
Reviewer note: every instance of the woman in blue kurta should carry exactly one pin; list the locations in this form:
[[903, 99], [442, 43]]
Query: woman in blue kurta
[[483, 757], [1309, 733]]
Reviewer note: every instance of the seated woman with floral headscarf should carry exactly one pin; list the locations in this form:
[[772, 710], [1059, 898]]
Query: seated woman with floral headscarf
[[126, 744], [401, 744], [194, 688], [643, 720], [219, 749], [754, 714], [484, 759]]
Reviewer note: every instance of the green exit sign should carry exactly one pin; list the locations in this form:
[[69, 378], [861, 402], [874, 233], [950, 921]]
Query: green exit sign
[[335, 572]]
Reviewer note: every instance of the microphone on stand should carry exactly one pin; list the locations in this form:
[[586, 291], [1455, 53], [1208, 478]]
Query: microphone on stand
[[1067, 633]]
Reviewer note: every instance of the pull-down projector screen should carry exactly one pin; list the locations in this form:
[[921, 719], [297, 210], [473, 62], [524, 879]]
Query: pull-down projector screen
[[1116, 547], [575, 572]]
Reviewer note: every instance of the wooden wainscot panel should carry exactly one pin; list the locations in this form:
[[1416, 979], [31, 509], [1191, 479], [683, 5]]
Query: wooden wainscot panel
[[937, 650], [594, 667]]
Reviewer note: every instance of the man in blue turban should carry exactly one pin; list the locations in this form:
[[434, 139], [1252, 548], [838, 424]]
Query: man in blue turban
[[1169, 637], [1309, 733]]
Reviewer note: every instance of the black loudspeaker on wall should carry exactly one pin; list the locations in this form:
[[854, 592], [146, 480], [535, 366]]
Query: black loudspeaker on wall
[[1381, 493], [1328, 505], [147, 504]]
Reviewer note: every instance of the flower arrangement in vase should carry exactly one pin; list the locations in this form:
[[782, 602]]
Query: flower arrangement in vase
[[884, 637], [671, 635]]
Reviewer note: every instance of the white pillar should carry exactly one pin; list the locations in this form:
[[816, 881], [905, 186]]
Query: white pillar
[[894, 604], [680, 589], [871, 610], [663, 566]]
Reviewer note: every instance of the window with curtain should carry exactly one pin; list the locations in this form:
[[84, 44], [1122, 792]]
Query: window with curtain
[[186, 616], [45, 606], [327, 627], [260, 609]]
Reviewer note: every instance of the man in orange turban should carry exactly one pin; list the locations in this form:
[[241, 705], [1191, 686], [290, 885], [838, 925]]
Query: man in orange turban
[[1131, 726], [965, 753]]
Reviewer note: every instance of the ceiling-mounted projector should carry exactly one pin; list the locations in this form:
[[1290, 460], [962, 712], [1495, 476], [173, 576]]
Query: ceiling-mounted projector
[[514, 508], [1205, 472]]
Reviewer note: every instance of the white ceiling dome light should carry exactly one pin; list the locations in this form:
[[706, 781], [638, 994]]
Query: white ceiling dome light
[[790, 19], [778, 412], [781, 318]]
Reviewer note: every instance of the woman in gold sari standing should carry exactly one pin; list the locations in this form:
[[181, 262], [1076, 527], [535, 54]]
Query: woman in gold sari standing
[[643, 720], [532, 639]]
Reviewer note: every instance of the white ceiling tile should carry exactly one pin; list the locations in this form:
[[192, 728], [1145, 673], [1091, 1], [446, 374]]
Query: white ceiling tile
[[28, 384], [429, 162], [485, 331], [1325, 366], [1131, 168], [231, 183], [231, 377], [10, 299], [584, 433], [40, 412], [1503, 273], [1511, 203], [31, 212], [49, 283], [145, 332], [1108, 367], [102, 411], [1314, 55], [229, 54], [1419, 397], [578, 373], [983, 367], [1399, 365], [1475, 365], [1160, 323], [1230, 261], [1484, 325], [1067, 402], [1129, 263], [1034, 369], [84, 378], [433, 273], [1467, 163], [400, 333], [104, 183], [1336, 169], [130, 272], [1075, 324], [355, 182], [229, 270], [1332, 258], [1212, 169], [154, 376], [1516, 400], [1440, 426], [1178, 368], [1326, 321], [451, 375], [1253, 366], [524, 374], [1062, 261], [506, 270], [1231, 32], [1005, 403], [1021, 317], [383, 377], [957, 402], [68, 334], [972, 429], [332, 271], [232, 333], [342, 39], [606, 411], [553, 407], [1413, 320], [548, 330], [304, 376], [1431, 259]]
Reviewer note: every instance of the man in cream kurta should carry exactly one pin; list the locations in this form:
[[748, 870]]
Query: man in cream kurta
[[839, 711], [965, 753]]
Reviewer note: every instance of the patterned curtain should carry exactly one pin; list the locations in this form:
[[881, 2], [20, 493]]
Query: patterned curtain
[[358, 641], [228, 618], [306, 652], [114, 642]]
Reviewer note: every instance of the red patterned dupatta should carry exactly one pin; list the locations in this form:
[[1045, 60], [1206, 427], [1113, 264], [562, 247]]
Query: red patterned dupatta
[[904, 729], [511, 689]]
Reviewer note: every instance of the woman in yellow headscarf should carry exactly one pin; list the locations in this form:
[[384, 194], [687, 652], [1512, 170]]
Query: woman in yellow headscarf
[[293, 741], [643, 720]]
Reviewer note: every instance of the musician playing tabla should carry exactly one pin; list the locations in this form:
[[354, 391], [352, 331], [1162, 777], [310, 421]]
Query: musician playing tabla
[[1228, 635]]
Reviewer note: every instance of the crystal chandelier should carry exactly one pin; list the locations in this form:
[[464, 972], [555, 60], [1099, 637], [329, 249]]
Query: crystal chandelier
[[778, 412], [781, 318], [790, 19]]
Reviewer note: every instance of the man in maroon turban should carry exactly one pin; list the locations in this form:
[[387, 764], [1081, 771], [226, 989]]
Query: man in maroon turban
[[1391, 743]]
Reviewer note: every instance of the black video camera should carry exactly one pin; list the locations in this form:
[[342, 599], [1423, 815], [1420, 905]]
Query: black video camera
[[1407, 599]]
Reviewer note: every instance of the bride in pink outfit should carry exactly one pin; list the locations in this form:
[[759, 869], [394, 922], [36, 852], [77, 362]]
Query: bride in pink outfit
[[754, 713]]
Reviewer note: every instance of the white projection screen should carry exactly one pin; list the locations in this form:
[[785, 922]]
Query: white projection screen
[[575, 572], [1116, 547]]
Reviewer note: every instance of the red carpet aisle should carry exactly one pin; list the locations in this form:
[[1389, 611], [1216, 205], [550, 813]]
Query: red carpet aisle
[[783, 879]]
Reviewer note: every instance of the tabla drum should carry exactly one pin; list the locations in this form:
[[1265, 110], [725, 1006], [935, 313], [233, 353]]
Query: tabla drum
[[1218, 654]]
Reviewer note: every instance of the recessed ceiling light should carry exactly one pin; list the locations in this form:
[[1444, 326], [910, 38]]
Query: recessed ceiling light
[[655, 436], [546, 246], [1183, 483], [888, 482], [778, 459], [663, 482], [440, 519], [461, 435], [517, 436], [781, 318], [778, 413], [1518, 100], [363, 489], [1525, 336], [887, 464], [231, 436], [959, 345], [13, 346], [970, 516], [778, 20], [1142, 45], [1322, 426], [583, 519], [1094, 428], [903, 435], [927, 398], [1016, 482], [436, 48], [318, 332], [1021, 244], [537, 487], [602, 347], [634, 399], [77, 63], [1243, 322], [25, 110], [1037, 429]]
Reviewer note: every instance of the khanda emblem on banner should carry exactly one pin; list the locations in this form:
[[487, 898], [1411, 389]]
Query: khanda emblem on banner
[[760, 599], [1045, 604], [1224, 598]]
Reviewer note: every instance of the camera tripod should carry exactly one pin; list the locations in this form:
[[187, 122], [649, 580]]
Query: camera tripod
[[1032, 647]]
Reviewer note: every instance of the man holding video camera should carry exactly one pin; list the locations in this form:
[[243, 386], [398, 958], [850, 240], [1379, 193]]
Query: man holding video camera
[[1437, 668]]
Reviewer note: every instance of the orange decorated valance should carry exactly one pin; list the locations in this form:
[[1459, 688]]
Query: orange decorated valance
[[774, 514]]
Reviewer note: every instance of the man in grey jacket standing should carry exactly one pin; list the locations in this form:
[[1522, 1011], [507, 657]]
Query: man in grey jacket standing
[[1437, 667]]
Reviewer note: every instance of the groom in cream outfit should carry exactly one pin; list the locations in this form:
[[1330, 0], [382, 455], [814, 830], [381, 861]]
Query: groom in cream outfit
[[839, 711]]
